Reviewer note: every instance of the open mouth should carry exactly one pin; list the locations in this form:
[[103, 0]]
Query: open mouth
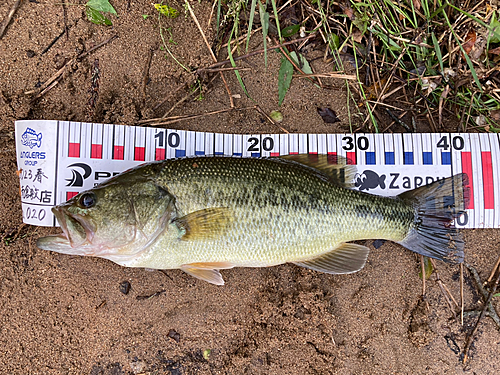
[[75, 228]]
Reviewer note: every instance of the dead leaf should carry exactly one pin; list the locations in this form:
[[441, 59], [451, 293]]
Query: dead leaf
[[328, 115], [348, 11], [494, 51], [495, 114], [357, 35], [373, 91], [417, 4], [470, 40]]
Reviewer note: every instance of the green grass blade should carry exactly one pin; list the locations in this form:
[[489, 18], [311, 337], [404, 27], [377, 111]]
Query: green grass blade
[[233, 64], [275, 10], [467, 58], [438, 51], [264, 20], [219, 4], [250, 22], [284, 78]]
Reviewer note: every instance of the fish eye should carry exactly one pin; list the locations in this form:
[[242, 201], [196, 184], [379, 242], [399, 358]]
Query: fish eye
[[87, 200]]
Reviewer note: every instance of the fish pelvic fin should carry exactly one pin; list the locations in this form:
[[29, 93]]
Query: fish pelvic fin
[[208, 223], [437, 205], [207, 271], [347, 258], [337, 168]]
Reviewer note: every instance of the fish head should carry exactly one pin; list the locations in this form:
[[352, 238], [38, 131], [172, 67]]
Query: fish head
[[116, 220]]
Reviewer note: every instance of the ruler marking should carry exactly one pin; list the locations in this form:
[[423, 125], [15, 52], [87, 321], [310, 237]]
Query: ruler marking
[[389, 153], [284, 145], [74, 140], [238, 145], [417, 149], [427, 158], [487, 167], [370, 154], [140, 144], [97, 137], [312, 144], [495, 159], [477, 173], [408, 149]]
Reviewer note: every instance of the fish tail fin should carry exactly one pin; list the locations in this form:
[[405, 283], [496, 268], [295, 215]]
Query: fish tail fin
[[437, 205], [39, 139]]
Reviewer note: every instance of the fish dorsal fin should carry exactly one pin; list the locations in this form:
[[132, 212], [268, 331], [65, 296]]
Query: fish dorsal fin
[[208, 223], [336, 167], [347, 258], [207, 271]]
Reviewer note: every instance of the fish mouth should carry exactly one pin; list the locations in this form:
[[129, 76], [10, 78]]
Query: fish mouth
[[77, 233]]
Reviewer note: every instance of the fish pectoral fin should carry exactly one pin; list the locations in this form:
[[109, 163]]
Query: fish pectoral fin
[[207, 271], [347, 258], [204, 224], [336, 167]]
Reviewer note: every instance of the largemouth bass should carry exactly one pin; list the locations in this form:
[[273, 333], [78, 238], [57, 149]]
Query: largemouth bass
[[204, 214]]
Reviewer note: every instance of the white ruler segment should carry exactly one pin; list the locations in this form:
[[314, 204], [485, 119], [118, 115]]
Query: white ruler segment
[[59, 159]]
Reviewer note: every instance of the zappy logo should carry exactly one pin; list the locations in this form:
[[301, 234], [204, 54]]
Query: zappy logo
[[369, 179], [31, 139], [80, 172]]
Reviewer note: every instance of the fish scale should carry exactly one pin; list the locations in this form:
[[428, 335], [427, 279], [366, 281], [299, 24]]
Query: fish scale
[[310, 216]]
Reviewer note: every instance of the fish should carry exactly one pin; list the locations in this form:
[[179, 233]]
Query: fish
[[210, 213]]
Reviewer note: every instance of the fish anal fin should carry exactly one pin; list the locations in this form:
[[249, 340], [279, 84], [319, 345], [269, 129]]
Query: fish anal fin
[[336, 167], [207, 271], [347, 258], [208, 223]]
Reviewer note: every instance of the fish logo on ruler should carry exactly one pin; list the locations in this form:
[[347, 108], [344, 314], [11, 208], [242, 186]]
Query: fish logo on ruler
[[388, 164], [31, 139]]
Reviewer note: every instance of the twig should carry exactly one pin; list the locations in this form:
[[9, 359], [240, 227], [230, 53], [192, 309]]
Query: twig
[[492, 274], [423, 274], [462, 294], [83, 54], [487, 314], [65, 18], [173, 119], [215, 70], [183, 99], [53, 42], [193, 16], [8, 18], [446, 293], [173, 93], [327, 75], [483, 292], [145, 74], [186, 97], [483, 312], [258, 52], [52, 81]]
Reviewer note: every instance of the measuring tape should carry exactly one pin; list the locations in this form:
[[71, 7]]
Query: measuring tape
[[59, 159]]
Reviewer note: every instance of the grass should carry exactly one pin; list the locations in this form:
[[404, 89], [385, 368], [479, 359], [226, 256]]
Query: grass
[[416, 61]]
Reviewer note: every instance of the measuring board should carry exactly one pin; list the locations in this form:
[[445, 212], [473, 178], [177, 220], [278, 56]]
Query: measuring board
[[59, 159]]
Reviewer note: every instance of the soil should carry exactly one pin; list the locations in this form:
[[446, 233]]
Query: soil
[[62, 314]]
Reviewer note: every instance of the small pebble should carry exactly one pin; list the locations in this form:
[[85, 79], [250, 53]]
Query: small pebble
[[174, 335], [125, 287]]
